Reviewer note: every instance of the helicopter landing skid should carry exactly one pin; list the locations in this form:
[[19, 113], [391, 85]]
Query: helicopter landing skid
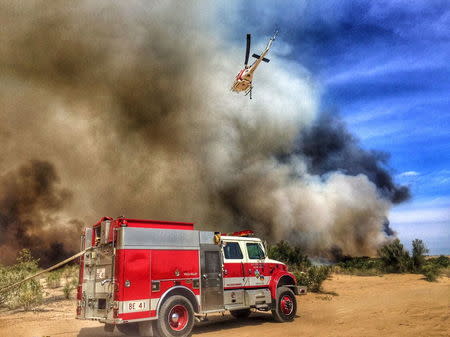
[[249, 92]]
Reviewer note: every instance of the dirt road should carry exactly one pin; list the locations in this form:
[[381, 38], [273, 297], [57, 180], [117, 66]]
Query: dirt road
[[391, 305]]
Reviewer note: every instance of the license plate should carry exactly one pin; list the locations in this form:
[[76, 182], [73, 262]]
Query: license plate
[[136, 306]]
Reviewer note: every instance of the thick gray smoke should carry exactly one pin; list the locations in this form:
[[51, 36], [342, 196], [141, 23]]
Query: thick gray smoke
[[29, 201], [128, 108]]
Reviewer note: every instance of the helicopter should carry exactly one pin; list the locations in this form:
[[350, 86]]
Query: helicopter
[[243, 81]]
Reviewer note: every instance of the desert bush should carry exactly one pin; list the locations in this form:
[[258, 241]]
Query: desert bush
[[445, 272], [442, 261], [313, 277], [28, 294], [70, 274], [431, 272], [418, 255], [307, 275], [435, 267], [54, 279], [360, 265], [68, 288], [394, 257], [292, 256]]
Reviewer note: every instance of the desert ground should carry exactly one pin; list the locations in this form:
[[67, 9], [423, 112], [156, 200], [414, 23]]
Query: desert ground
[[389, 305]]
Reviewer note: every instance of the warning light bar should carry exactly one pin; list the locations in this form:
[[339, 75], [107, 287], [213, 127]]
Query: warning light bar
[[242, 233]]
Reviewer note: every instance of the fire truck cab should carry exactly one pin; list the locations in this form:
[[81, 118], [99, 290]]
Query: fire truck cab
[[156, 278]]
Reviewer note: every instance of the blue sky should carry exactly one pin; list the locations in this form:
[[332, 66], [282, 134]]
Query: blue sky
[[384, 67]]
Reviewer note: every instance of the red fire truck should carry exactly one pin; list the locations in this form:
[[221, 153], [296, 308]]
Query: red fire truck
[[152, 278]]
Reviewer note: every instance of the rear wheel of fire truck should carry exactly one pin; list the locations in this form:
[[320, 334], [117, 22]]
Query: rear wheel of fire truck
[[285, 305], [240, 314], [176, 317]]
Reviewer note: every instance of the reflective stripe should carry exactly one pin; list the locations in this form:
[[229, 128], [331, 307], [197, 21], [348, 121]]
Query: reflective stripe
[[229, 282], [160, 247]]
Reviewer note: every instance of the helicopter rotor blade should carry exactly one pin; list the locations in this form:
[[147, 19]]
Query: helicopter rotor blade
[[247, 50]]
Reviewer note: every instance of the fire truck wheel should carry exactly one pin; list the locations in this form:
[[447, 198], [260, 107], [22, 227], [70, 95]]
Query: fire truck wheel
[[176, 317], [240, 314], [285, 306], [129, 329]]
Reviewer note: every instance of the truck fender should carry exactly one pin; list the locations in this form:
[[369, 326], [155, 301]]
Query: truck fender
[[183, 291], [285, 279]]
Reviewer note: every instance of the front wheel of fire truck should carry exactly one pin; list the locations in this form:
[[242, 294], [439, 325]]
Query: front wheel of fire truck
[[285, 305], [176, 317]]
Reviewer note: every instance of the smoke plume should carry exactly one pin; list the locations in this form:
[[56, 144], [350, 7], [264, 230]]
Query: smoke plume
[[29, 198], [126, 110], [328, 146]]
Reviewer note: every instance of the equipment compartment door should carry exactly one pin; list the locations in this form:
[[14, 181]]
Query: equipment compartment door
[[98, 282], [211, 278]]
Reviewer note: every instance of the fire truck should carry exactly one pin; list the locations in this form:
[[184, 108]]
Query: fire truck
[[156, 278]]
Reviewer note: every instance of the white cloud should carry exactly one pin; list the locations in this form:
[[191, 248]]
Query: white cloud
[[376, 67], [409, 174]]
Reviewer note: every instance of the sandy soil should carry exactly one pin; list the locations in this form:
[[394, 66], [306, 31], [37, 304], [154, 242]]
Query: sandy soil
[[390, 305]]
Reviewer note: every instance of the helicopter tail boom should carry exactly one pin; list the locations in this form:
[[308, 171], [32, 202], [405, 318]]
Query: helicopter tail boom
[[256, 56]]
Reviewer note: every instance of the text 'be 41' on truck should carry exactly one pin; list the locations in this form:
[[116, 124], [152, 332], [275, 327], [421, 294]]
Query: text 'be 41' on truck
[[155, 278]]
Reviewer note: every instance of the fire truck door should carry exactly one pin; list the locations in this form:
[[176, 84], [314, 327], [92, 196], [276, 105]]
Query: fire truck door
[[211, 277], [254, 270]]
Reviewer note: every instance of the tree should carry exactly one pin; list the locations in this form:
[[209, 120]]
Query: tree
[[394, 257], [294, 256], [418, 254]]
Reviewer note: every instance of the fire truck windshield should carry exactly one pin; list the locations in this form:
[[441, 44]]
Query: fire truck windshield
[[255, 251]]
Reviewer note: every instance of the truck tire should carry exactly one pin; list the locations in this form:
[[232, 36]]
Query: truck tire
[[285, 305], [129, 329], [241, 313], [176, 317]]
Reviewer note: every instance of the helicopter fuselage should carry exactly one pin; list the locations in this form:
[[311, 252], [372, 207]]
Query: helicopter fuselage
[[243, 81]]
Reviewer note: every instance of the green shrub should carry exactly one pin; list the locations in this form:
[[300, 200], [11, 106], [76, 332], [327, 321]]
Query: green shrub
[[441, 261], [54, 279], [445, 272], [418, 254], [394, 257], [313, 277], [292, 256], [431, 272], [70, 274], [360, 265], [67, 290], [26, 295]]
